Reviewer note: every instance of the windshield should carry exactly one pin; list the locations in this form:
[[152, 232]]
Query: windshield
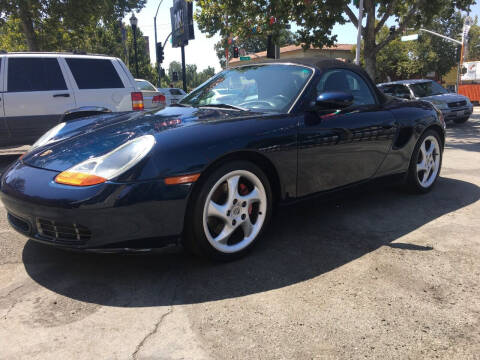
[[145, 85], [271, 87], [428, 88]]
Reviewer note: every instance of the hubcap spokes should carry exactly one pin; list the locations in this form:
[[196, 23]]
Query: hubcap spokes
[[232, 219], [428, 162]]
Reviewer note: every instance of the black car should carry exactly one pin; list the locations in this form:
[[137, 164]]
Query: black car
[[209, 170]]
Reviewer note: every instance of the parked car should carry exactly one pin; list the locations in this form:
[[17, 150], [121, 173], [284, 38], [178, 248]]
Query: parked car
[[454, 107], [152, 98], [40, 90], [172, 95], [209, 172]]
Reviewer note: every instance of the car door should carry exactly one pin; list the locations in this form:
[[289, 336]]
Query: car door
[[36, 96], [98, 83], [338, 148], [4, 133]]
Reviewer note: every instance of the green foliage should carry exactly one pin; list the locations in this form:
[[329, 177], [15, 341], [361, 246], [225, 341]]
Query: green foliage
[[251, 19], [194, 78], [50, 24], [409, 14], [404, 60], [474, 43]]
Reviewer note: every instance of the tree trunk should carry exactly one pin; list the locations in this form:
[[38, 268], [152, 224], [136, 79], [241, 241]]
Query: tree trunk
[[370, 51], [27, 24]]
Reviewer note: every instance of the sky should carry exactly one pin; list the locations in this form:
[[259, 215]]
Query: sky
[[200, 51]]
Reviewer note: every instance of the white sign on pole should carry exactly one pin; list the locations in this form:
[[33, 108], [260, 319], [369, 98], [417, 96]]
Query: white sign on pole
[[410, 37], [473, 71]]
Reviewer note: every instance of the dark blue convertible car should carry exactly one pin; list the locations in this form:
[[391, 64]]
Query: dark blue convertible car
[[208, 170]]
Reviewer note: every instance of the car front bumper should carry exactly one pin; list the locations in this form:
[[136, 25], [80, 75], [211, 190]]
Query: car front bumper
[[457, 113], [109, 215]]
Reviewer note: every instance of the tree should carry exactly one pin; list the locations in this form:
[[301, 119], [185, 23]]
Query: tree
[[258, 18], [252, 44], [43, 21], [410, 14], [194, 78], [404, 60], [474, 43], [315, 19]]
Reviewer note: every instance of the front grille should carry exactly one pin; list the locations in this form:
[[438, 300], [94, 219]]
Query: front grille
[[457, 104], [19, 224], [62, 232]]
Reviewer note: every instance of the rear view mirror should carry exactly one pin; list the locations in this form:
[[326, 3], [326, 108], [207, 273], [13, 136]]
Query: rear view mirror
[[333, 100]]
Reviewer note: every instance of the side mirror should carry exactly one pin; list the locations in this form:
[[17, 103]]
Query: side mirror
[[333, 100]]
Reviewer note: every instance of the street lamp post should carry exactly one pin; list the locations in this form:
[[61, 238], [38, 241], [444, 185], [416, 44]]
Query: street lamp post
[[133, 23]]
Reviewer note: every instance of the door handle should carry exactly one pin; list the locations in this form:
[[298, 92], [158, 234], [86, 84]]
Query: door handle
[[61, 95]]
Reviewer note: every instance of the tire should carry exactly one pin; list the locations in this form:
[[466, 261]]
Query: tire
[[222, 213], [425, 161], [461, 120]]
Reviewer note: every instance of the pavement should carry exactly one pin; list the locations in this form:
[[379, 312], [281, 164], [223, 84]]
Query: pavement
[[375, 274]]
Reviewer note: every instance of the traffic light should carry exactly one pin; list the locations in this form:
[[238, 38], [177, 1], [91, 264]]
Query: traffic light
[[235, 52], [162, 72], [174, 76], [159, 53], [392, 30]]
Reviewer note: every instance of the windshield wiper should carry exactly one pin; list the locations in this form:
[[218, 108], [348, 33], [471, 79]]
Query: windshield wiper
[[225, 106], [180, 105]]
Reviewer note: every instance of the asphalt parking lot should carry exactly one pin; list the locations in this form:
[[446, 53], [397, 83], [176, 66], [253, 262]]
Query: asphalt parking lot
[[376, 274]]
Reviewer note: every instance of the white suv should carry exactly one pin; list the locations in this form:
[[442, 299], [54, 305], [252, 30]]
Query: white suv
[[39, 90]]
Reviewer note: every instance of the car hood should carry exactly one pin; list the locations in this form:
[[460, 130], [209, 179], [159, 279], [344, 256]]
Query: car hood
[[448, 98], [78, 140]]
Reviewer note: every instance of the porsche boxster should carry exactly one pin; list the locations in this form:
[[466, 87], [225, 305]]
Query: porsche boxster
[[208, 170]]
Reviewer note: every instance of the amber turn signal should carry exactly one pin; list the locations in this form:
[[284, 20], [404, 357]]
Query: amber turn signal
[[78, 179], [185, 179]]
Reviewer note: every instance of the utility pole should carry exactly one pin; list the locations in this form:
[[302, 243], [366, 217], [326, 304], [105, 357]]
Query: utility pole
[[359, 33], [155, 29]]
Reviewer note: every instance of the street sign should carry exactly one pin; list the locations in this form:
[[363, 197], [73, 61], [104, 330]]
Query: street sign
[[245, 58], [181, 14], [410, 37]]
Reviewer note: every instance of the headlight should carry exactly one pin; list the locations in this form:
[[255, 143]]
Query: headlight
[[106, 167], [439, 104], [45, 138]]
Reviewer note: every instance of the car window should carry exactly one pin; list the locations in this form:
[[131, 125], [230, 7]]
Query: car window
[[349, 82], [94, 73], [34, 74], [427, 88], [271, 88], [396, 90], [176, 92], [145, 86]]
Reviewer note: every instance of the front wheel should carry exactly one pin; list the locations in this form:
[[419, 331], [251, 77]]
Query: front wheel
[[230, 212], [425, 163]]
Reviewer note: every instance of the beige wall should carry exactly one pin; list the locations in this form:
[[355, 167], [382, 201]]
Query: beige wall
[[334, 54]]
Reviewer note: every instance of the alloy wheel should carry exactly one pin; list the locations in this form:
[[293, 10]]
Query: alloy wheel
[[428, 162], [234, 211]]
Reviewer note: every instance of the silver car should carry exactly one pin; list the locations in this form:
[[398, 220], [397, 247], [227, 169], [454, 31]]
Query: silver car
[[454, 107], [152, 98]]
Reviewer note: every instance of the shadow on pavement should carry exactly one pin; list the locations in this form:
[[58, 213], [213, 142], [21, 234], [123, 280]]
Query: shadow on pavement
[[304, 241], [464, 136]]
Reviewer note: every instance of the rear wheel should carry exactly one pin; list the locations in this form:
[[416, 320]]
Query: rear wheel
[[461, 120], [230, 212], [426, 163]]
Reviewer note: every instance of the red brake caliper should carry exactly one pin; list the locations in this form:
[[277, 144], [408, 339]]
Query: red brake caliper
[[244, 191]]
